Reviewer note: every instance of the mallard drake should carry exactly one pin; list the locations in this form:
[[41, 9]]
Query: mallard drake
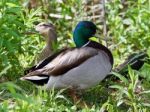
[[77, 68], [47, 30]]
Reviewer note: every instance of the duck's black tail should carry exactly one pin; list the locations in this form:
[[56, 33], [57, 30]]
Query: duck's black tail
[[135, 60]]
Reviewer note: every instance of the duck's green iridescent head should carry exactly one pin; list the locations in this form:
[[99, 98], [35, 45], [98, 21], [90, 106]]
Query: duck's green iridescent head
[[83, 31]]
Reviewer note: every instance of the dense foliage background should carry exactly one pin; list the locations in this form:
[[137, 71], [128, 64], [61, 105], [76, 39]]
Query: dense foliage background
[[128, 32]]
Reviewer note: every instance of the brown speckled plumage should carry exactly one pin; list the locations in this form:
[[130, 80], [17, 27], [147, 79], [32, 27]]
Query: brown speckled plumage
[[48, 31]]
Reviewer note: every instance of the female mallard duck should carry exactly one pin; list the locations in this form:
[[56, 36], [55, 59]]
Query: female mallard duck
[[48, 31], [76, 68]]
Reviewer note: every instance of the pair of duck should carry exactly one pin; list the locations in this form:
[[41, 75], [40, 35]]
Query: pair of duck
[[76, 68]]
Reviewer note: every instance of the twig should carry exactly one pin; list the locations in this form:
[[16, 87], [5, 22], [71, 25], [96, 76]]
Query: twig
[[104, 22]]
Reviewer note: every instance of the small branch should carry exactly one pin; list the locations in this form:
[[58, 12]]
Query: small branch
[[104, 23]]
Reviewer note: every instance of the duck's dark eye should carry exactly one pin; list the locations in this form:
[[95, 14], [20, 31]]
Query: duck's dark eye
[[47, 25]]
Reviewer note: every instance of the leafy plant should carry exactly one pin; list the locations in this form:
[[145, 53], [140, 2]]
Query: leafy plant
[[128, 24], [14, 22], [130, 92]]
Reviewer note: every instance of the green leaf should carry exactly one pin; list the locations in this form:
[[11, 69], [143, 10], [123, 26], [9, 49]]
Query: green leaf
[[11, 4], [145, 71], [131, 74], [4, 71], [121, 77], [117, 87], [148, 52]]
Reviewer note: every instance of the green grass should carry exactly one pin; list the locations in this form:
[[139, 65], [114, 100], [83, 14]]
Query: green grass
[[128, 27], [122, 95]]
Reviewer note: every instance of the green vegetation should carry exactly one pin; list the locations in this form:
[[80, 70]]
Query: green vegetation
[[128, 28]]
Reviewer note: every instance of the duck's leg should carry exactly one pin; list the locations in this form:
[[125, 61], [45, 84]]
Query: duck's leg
[[76, 99]]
